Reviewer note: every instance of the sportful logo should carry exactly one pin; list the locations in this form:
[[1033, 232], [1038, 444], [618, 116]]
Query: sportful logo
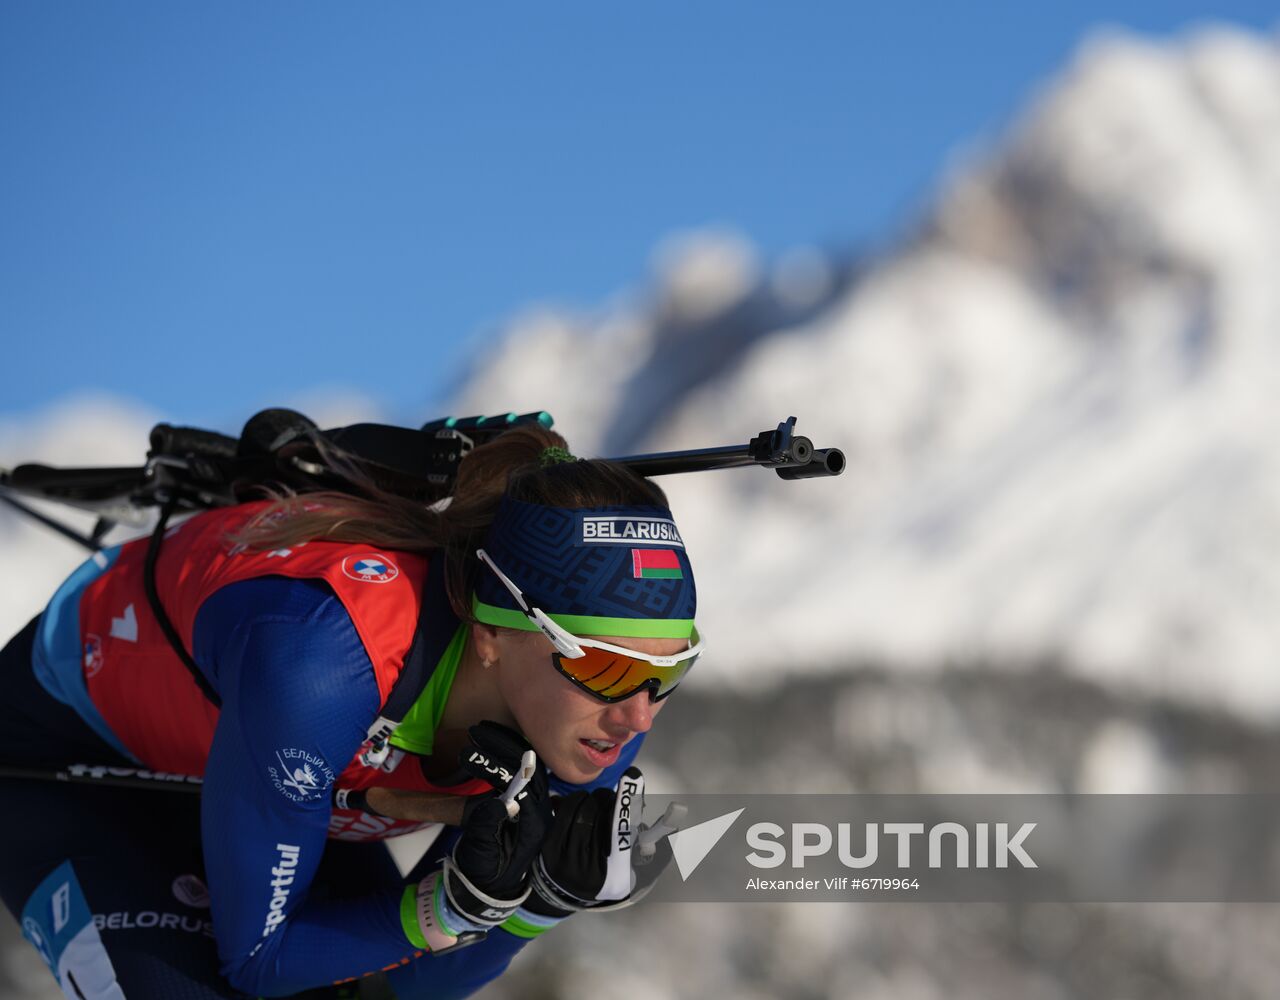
[[282, 876], [370, 568], [599, 529], [302, 776]]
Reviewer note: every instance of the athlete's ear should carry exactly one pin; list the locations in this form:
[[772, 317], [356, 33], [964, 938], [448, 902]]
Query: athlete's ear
[[485, 640]]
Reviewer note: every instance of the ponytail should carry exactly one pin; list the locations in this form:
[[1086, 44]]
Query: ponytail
[[513, 463]]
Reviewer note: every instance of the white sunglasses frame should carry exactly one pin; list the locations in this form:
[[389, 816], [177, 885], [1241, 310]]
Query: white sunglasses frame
[[570, 645]]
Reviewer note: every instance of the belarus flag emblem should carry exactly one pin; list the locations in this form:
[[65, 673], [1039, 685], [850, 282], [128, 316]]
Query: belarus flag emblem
[[655, 564]]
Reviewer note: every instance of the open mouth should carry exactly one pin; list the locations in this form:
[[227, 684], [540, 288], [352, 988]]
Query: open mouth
[[601, 753]]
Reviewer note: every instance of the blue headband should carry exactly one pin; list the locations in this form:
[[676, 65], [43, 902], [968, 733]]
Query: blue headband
[[619, 571]]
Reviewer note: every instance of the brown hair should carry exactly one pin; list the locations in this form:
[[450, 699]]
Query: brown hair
[[509, 464]]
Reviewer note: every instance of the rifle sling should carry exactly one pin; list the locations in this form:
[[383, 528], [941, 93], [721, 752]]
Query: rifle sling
[[425, 650]]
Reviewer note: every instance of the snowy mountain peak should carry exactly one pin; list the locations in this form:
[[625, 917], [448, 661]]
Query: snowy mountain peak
[[1055, 398]]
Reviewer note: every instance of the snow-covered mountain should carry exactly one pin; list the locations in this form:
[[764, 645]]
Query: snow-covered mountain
[[1056, 395]]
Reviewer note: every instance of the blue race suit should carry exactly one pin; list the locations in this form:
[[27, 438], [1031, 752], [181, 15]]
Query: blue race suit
[[292, 672]]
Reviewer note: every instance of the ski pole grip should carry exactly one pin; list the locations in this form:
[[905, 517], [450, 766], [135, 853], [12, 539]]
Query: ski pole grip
[[528, 767]]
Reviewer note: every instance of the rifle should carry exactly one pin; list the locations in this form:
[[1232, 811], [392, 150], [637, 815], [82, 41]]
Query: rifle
[[188, 469]]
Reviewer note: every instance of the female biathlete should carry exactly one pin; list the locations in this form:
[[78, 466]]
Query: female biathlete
[[349, 654]]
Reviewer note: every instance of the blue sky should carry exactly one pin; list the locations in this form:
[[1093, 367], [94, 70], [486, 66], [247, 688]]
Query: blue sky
[[213, 207]]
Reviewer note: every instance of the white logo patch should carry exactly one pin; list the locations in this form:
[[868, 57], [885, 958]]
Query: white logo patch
[[126, 626], [61, 907], [622, 530], [371, 568], [302, 776]]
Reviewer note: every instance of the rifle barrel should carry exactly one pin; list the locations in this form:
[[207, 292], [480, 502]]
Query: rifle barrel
[[694, 460]]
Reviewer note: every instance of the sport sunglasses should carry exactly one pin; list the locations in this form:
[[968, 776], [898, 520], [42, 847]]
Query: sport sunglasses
[[610, 673]]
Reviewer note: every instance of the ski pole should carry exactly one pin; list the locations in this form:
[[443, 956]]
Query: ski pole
[[395, 803], [101, 774]]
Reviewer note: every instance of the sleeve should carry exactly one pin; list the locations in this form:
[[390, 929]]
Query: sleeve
[[298, 690]]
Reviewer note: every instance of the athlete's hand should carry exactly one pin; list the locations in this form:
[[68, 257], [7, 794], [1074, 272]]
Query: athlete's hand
[[599, 855], [496, 850], [495, 755], [488, 875]]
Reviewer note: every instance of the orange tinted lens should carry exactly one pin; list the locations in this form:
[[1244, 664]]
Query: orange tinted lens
[[614, 676]]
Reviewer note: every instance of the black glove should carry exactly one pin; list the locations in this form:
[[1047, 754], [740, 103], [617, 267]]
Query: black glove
[[487, 877], [598, 854], [495, 756]]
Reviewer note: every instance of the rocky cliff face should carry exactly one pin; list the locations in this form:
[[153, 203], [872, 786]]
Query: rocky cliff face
[[1055, 394]]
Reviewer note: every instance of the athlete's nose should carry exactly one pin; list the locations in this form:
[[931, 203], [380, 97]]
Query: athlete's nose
[[635, 714]]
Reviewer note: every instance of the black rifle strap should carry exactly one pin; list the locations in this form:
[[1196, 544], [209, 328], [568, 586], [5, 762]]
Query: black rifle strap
[[157, 609], [437, 625], [435, 630]]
